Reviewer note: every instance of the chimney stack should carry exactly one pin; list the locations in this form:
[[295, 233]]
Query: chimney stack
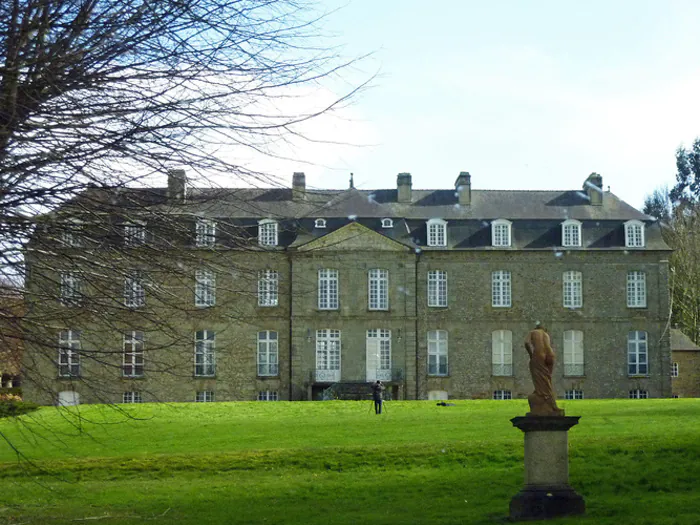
[[593, 186], [463, 185], [298, 186], [177, 185], [403, 186]]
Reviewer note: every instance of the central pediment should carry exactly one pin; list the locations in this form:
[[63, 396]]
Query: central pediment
[[354, 237]]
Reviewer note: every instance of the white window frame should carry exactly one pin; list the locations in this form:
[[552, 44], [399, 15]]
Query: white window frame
[[387, 223], [205, 353], [73, 233], [502, 395], [205, 233], [573, 394], [134, 233], [437, 289], [268, 395], [268, 232], [328, 355], [636, 289], [501, 233], [502, 353], [637, 353], [204, 288], [675, 369], [69, 353], [378, 289], [438, 364], [572, 289], [378, 342], [268, 353], [634, 234], [328, 289], [437, 232], [132, 397], [320, 223], [132, 354], [501, 289], [268, 288], [571, 234], [573, 353], [71, 288], [638, 393], [134, 290], [204, 396]]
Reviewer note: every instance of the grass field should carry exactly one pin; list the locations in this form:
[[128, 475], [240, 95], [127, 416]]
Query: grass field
[[635, 462]]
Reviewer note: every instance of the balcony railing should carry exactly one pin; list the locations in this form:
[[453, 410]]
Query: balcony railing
[[573, 370], [502, 370], [334, 376], [327, 376]]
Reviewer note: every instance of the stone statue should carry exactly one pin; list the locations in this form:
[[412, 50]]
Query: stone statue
[[542, 400]]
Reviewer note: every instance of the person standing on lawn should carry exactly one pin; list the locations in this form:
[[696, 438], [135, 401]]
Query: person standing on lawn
[[377, 395]]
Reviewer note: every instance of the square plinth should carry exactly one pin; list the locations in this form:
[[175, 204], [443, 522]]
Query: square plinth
[[546, 503]]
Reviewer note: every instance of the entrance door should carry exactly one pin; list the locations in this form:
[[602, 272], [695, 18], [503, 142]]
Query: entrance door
[[378, 355]]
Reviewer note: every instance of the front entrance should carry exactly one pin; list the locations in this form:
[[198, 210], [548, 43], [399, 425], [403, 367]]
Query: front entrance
[[378, 355]]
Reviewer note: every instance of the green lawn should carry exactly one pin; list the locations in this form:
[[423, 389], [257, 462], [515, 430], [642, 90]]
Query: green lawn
[[635, 462]]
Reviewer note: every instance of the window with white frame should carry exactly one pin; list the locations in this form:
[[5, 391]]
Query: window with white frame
[[73, 232], [502, 353], [437, 232], [134, 233], [328, 289], [328, 354], [634, 234], [571, 233], [573, 289], [573, 353], [131, 397], [674, 370], [69, 353], [573, 394], [205, 353], [636, 290], [502, 395], [268, 288], [268, 353], [205, 233], [134, 290], [500, 289], [268, 395], [132, 360], [71, 288], [378, 289], [320, 223], [204, 288], [637, 353], [437, 353], [267, 232], [437, 288], [387, 223], [500, 233], [204, 396], [378, 354], [638, 394]]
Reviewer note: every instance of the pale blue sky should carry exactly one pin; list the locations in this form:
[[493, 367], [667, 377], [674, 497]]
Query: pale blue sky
[[522, 94]]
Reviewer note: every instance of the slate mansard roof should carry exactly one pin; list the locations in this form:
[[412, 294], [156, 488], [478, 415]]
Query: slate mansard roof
[[536, 216]]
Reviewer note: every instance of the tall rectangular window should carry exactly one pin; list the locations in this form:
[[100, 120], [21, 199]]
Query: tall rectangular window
[[328, 289], [500, 233], [378, 355], [267, 233], [500, 289], [636, 290], [674, 370], [204, 353], [268, 288], [204, 288], [437, 353], [378, 284], [134, 234], [134, 290], [132, 365], [205, 233], [71, 288], [73, 234], [571, 233], [268, 354], [502, 353], [573, 290], [328, 355], [69, 353], [634, 234], [437, 232], [573, 353], [131, 397], [637, 353], [204, 396], [437, 288]]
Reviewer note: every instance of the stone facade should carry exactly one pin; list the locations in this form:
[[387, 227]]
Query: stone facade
[[685, 367], [347, 231]]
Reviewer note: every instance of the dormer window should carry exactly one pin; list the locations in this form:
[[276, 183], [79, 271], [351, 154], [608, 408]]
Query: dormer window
[[571, 233], [387, 223], [500, 233], [205, 233], [634, 234], [267, 232], [437, 232], [134, 233], [320, 223]]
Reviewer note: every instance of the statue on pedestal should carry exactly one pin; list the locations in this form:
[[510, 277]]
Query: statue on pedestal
[[542, 400]]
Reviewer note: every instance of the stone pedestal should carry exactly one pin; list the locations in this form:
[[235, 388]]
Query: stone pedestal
[[546, 493]]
